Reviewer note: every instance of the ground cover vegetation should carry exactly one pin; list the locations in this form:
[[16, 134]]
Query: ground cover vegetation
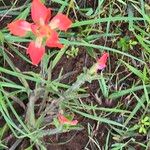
[[75, 74]]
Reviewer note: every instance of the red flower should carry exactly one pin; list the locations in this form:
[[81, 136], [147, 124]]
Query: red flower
[[101, 62], [19, 27], [35, 51], [39, 13], [100, 65], [63, 120], [43, 30]]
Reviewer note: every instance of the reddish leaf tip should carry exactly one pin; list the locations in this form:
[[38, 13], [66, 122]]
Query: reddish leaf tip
[[63, 120]]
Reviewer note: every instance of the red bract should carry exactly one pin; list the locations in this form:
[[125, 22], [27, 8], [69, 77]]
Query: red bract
[[63, 120], [43, 30], [35, 51], [101, 62], [19, 27], [39, 13]]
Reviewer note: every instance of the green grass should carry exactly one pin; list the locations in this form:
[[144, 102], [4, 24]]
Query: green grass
[[120, 101]]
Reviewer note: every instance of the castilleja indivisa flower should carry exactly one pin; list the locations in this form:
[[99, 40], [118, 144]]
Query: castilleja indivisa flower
[[101, 63], [63, 120], [42, 27]]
